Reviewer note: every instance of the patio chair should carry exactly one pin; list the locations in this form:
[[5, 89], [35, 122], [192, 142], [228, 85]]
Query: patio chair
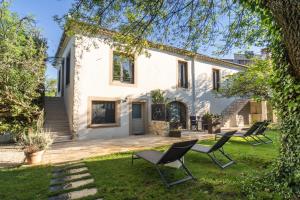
[[174, 153], [194, 123], [248, 134], [261, 132], [218, 146]]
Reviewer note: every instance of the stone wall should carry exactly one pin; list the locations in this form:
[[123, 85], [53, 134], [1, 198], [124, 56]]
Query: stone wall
[[159, 128]]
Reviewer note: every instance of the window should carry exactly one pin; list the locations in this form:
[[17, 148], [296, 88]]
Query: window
[[123, 68], [103, 112], [58, 81], [216, 79], [136, 111], [182, 75], [68, 63]]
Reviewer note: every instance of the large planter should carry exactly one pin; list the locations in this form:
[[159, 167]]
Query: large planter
[[175, 133], [35, 157]]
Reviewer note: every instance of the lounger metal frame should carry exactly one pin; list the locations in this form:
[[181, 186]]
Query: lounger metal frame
[[180, 148], [218, 146], [261, 132], [250, 135]]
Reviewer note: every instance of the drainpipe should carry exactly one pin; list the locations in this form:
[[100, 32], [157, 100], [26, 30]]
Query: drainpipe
[[193, 86]]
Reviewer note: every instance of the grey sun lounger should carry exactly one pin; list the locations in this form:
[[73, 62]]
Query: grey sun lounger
[[248, 134], [174, 153], [218, 146]]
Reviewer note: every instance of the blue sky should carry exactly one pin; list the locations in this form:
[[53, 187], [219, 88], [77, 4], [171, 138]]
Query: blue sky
[[43, 12]]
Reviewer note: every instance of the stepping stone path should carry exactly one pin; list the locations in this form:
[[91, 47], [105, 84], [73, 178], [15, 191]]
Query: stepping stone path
[[71, 181]]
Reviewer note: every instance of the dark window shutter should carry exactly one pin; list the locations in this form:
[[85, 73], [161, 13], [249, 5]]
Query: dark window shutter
[[68, 68]]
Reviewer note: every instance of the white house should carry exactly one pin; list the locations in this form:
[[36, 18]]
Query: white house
[[107, 93]]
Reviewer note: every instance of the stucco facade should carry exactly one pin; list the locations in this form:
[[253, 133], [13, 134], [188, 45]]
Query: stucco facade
[[90, 78]]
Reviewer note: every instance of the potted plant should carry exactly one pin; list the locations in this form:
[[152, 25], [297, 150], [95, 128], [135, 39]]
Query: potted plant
[[175, 128], [34, 145]]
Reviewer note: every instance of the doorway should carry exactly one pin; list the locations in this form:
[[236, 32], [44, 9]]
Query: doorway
[[138, 118], [176, 114]]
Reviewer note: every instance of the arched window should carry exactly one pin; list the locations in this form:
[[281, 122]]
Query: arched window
[[176, 114]]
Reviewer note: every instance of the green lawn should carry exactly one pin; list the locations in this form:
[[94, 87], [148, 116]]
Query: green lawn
[[116, 178], [25, 183]]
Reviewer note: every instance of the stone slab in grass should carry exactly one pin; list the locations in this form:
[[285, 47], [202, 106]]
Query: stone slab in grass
[[75, 194], [66, 167], [71, 185], [69, 178], [70, 171]]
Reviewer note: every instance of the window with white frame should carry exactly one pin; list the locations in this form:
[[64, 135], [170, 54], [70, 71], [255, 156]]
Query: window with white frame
[[123, 68]]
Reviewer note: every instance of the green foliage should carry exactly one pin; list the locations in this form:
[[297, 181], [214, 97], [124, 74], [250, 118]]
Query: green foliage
[[22, 66], [188, 24], [284, 177], [254, 82], [208, 116], [50, 87], [36, 140], [158, 96]]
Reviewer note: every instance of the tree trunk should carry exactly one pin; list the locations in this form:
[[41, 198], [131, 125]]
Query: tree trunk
[[286, 14]]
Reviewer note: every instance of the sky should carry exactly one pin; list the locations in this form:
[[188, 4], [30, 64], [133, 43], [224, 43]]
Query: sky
[[43, 12]]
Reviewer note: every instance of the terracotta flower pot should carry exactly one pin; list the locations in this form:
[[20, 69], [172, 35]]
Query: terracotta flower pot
[[35, 157]]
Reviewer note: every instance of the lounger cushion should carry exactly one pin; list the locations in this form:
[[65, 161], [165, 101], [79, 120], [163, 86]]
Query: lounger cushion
[[150, 155], [201, 148]]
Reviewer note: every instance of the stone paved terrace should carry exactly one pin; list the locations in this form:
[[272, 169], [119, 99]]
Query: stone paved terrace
[[11, 155], [77, 150]]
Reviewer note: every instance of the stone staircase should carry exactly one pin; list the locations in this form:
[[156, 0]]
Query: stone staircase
[[232, 110], [56, 119]]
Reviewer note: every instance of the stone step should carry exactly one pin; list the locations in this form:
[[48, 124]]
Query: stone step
[[75, 194], [70, 166], [55, 120], [71, 185], [62, 125], [56, 114], [60, 136], [70, 172], [57, 128], [59, 131], [69, 178]]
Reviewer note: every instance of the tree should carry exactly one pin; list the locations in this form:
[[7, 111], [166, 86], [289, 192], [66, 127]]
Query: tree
[[192, 23], [50, 87], [22, 67], [254, 82]]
